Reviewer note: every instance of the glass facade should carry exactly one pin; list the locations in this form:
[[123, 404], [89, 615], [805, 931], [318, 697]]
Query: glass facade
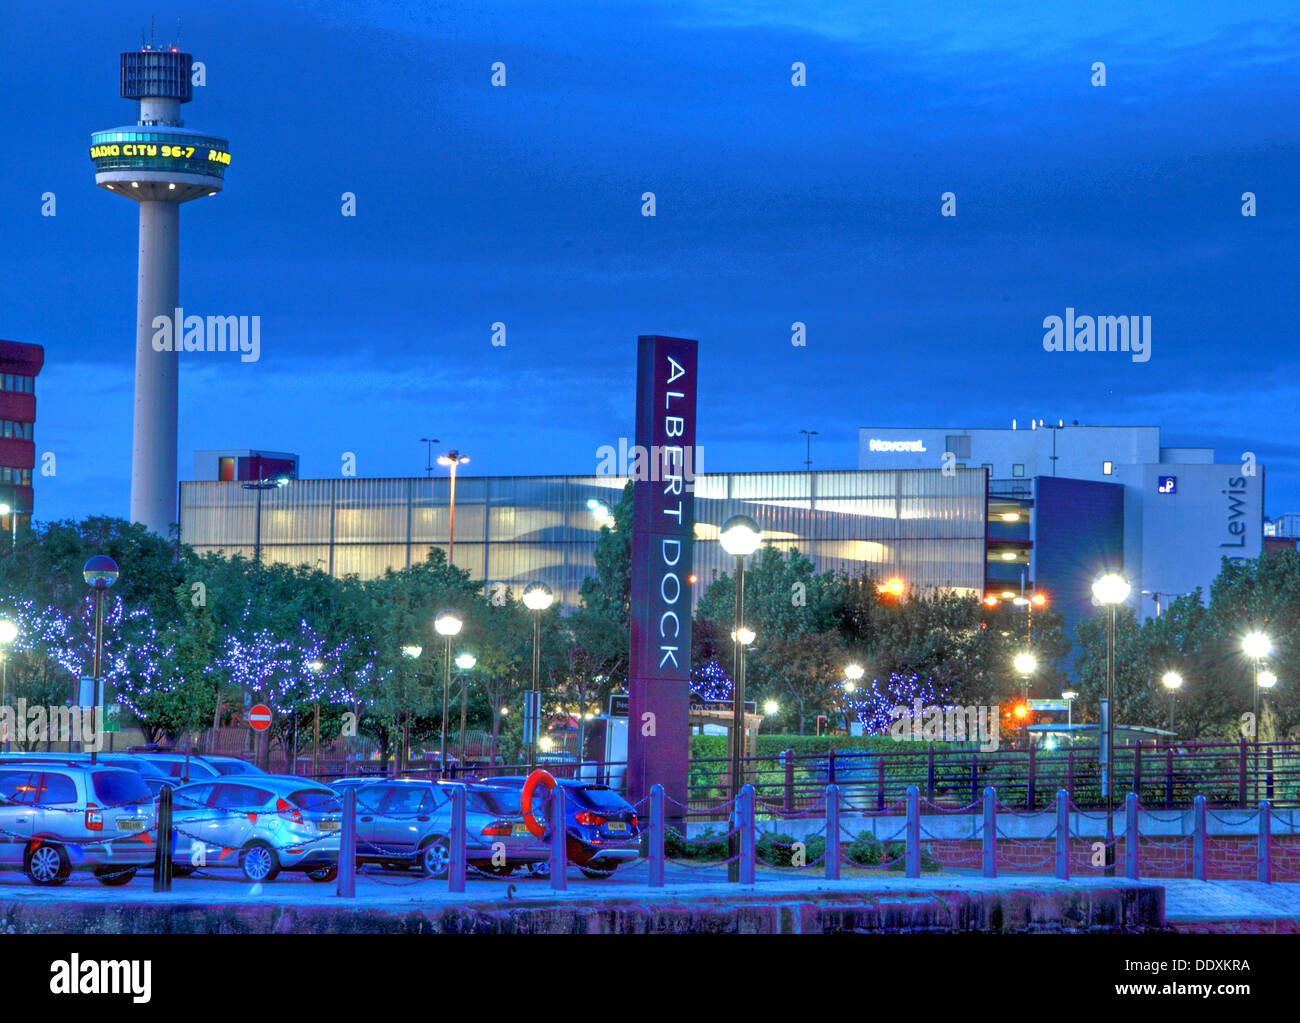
[[921, 525]]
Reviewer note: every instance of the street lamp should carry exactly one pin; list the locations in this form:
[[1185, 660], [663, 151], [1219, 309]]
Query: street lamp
[[1110, 590], [100, 572], [452, 459], [12, 511], [1256, 646], [771, 707], [8, 633], [1069, 696], [1026, 664], [413, 652], [465, 661], [740, 537], [1172, 681], [428, 443], [315, 666], [537, 598], [447, 624]]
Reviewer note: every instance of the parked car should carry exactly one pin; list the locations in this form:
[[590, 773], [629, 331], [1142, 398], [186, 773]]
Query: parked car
[[180, 766], [261, 825], [231, 765], [59, 816], [152, 774], [601, 826], [406, 822]]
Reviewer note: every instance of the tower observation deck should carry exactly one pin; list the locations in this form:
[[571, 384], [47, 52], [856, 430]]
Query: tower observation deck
[[159, 163]]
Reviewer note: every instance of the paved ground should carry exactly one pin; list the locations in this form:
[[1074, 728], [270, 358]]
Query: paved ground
[[1185, 900]]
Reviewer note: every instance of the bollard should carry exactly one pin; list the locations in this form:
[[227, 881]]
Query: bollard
[[1062, 834], [1131, 836], [787, 797], [912, 849], [457, 867], [347, 888], [1265, 842], [559, 835], [162, 863], [1198, 838], [748, 852], [990, 832], [658, 834], [833, 832]]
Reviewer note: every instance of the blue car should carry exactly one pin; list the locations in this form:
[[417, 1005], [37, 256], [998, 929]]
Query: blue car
[[602, 827]]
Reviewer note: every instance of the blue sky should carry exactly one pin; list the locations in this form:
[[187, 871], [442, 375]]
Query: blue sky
[[775, 204]]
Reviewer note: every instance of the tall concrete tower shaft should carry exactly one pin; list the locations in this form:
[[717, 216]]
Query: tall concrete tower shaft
[[160, 164]]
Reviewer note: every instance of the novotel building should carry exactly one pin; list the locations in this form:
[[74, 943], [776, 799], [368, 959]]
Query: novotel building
[[157, 163], [1066, 500]]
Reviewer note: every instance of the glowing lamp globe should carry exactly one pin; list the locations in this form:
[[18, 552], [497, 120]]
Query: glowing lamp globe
[[538, 597], [447, 623], [1111, 588], [740, 536], [100, 572], [466, 661]]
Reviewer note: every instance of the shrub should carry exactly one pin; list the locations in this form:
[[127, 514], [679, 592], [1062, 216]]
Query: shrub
[[776, 849], [707, 846]]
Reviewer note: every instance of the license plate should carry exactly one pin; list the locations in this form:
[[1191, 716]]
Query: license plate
[[522, 829], [329, 825], [129, 824], [615, 826]]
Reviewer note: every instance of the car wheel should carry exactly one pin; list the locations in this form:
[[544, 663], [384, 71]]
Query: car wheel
[[435, 857], [47, 865], [326, 873], [597, 875], [259, 862], [114, 877]]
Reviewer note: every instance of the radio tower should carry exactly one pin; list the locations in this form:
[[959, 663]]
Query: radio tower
[[160, 164]]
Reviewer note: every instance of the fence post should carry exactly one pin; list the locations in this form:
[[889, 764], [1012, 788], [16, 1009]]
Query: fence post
[[1069, 770], [1131, 836], [1029, 788], [745, 821], [1169, 776], [1265, 858], [912, 850], [990, 832], [1062, 834], [830, 775], [974, 777], [458, 838], [559, 833], [658, 834], [1198, 838], [348, 846], [1241, 775], [880, 783], [1268, 778], [833, 832], [1137, 767], [929, 774], [787, 803], [162, 864]]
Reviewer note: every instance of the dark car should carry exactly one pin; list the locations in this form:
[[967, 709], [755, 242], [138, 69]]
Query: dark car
[[601, 826]]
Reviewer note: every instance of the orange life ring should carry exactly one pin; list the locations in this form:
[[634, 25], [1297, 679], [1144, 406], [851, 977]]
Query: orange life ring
[[538, 777]]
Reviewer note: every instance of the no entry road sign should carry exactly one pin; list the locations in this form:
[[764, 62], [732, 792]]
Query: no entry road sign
[[259, 717]]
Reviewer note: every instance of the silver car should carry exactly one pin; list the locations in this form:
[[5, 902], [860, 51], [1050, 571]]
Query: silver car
[[406, 822], [261, 824], [59, 816]]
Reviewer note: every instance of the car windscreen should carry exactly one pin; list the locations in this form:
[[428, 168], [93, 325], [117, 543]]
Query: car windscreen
[[119, 787], [317, 800], [597, 797]]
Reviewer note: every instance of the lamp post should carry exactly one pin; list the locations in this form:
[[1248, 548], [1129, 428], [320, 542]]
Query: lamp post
[[852, 676], [259, 486], [452, 459], [1110, 590], [12, 511], [1256, 646], [100, 572], [740, 537], [1025, 664], [8, 633], [465, 661], [413, 652], [537, 598], [446, 625], [1069, 696], [428, 443], [1172, 681], [1263, 680], [315, 666]]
